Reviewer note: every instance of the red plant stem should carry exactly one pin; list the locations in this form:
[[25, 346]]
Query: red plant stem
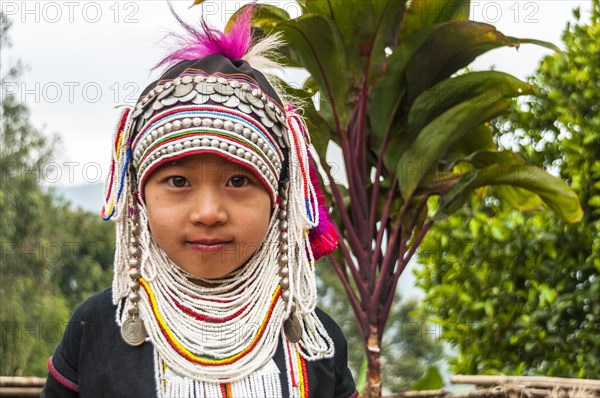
[[376, 190], [404, 262], [418, 211], [382, 227], [360, 284], [354, 303], [337, 197], [358, 206], [387, 261], [359, 126]]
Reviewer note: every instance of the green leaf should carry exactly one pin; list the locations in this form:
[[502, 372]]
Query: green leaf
[[362, 376], [363, 42], [313, 47], [387, 93], [455, 45], [453, 91], [423, 13], [489, 308], [517, 198], [437, 136], [431, 380], [264, 16], [555, 193], [541, 43]]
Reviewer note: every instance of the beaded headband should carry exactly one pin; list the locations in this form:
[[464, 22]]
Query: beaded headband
[[212, 101]]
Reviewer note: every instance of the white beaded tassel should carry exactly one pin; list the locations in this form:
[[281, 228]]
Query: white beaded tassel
[[302, 216], [118, 204]]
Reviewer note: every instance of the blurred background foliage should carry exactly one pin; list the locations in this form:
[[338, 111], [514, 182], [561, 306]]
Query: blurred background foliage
[[518, 292], [52, 255]]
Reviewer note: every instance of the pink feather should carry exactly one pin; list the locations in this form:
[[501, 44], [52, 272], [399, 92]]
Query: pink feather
[[199, 43], [324, 237]]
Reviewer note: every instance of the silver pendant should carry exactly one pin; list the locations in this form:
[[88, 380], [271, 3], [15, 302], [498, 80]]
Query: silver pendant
[[292, 329], [133, 331]]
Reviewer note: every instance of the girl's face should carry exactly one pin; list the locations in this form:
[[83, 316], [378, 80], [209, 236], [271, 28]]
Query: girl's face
[[209, 215]]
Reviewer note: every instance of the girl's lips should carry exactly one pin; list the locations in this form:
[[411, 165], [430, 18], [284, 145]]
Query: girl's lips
[[208, 246]]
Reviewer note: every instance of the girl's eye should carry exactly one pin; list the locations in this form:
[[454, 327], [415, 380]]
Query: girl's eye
[[177, 181], [238, 181]]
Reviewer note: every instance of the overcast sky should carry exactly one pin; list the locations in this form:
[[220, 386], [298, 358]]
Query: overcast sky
[[85, 57]]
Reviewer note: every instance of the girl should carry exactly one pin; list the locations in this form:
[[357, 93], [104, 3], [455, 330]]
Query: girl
[[219, 223]]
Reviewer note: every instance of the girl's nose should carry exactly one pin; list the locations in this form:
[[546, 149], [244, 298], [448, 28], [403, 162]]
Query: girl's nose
[[207, 207]]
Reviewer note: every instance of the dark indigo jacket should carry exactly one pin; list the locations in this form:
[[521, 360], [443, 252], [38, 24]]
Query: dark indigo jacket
[[92, 360]]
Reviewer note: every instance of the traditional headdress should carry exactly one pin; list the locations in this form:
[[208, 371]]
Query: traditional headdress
[[213, 99]]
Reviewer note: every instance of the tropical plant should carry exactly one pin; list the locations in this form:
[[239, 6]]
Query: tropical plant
[[517, 292], [413, 132]]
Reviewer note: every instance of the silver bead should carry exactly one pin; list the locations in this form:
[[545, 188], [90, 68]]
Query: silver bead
[[176, 125], [260, 142], [205, 142], [134, 262], [177, 82], [224, 146], [247, 155], [284, 271], [283, 260], [228, 124], [178, 147], [240, 152], [170, 149], [186, 123], [134, 285], [254, 137], [254, 159], [232, 149], [196, 142], [283, 237], [247, 132], [283, 203], [154, 134], [283, 248], [283, 225], [134, 297], [214, 143], [187, 144], [161, 131], [196, 121], [282, 214], [218, 123], [134, 251], [207, 122], [186, 79], [285, 296], [285, 283], [211, 79], [133, 310], [238, 128], [134, 273], [168, 127]]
